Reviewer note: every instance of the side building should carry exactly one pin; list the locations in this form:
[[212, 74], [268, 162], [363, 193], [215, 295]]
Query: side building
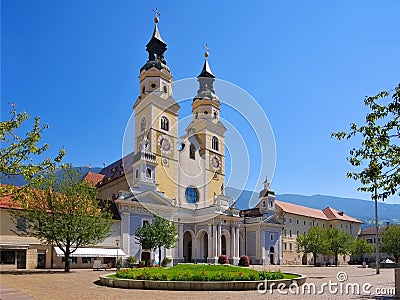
[[298, 219]]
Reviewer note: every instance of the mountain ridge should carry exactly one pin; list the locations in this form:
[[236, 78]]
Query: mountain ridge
[[362, 210]]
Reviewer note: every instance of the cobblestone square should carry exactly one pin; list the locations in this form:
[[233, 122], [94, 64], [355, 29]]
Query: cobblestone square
[[82, 284]]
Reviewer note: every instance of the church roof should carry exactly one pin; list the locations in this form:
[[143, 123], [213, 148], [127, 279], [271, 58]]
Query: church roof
[[117, 169]]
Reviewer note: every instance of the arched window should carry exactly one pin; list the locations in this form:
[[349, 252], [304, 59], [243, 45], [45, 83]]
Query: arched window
[[191, 195], [142, 124], [148, 173], [214, 143], [164, 123], [192, 152]]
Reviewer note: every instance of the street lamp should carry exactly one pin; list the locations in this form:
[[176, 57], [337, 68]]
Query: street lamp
[[117, 243]]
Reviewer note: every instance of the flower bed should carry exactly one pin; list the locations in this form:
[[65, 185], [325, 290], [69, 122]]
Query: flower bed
[[200, 272]]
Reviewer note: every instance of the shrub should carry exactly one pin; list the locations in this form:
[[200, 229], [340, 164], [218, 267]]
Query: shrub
[[244, 261], [131, 260], [166, 261], [223, 259]]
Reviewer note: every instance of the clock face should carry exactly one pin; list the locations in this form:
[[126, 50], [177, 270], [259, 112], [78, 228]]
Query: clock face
[[215, 162], [165, 144]]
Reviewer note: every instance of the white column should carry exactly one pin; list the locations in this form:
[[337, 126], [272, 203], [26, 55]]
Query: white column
[[210, 241], [125, 234], [258, 245], [263, 250], [219, 240], [233, 243], [180, 248], [215, 239], [237, 246]]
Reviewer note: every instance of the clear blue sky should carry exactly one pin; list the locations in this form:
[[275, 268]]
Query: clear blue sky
[[309, 65]]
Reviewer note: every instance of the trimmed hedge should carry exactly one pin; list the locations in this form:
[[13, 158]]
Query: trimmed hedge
[[200, 272]]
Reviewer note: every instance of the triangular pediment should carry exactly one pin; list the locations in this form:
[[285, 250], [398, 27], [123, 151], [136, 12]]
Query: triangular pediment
[[152, 197]]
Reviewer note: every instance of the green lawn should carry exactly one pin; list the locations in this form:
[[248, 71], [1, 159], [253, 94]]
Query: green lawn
[[200, 272]]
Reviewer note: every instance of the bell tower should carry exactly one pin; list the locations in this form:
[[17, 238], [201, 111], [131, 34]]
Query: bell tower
[[208, 134], [156, 119]]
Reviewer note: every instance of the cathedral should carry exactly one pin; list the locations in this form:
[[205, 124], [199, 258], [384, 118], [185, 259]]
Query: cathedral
[[181, 178]]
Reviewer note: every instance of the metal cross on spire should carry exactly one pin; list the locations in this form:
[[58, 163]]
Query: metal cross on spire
[[207, 50], [157, 15]]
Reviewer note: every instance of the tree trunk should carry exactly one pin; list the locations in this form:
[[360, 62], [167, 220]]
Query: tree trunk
[[66, 264], [315, 259], [397, 259], [159, 255]]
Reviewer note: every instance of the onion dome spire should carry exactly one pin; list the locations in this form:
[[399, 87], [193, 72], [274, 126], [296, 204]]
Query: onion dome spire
[[156, 48], [206, 79]]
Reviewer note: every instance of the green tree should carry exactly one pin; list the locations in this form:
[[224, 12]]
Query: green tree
[[63, 212], [314, 241], [390, 241], [161, 233], [166, 234], [360, 247], [379, 154], [145, 237], [338, 242], [17, 153]]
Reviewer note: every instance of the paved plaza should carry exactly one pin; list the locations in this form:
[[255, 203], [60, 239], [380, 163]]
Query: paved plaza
[[83, 284]]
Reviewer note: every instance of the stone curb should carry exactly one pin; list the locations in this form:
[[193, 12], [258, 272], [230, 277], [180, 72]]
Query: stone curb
[[198, 285]]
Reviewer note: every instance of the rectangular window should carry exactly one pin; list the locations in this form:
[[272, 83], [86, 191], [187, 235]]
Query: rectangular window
[[88, 260], [290, 220], [290, 233], [297, 221], [297, 233], [304, 223], [145, 222], [7, 257], [310, 223], [21, 224], [290, 247], [284, 246], [284, 232], [74, 260]]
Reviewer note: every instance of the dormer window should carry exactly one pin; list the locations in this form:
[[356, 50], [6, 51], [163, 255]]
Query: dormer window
[[164, 123]]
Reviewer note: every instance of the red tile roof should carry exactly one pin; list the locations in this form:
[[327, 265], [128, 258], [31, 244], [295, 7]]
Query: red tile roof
[[372, 230], [333, 214], [93, 178], [328, 213], [301, 210]]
